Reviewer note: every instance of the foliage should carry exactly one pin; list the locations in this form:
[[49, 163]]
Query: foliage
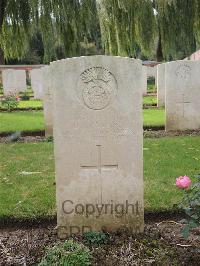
[[69, 253], [177, 21], [125, 27], [61, 24], [24, 96], [10, 102], [97, 238], [191, 206]]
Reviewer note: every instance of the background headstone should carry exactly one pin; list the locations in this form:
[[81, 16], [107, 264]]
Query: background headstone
[[47, 101], [98, 144], [14, 81], [152, 72], [182, 82], [36, 83], [161, 85], [144, 80]]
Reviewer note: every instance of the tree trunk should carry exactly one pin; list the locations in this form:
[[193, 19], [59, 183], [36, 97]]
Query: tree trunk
[[2, 61], [159, 53]]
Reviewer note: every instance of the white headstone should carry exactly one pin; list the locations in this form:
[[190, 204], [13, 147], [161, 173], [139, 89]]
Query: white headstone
[[47, 101], [36, 83], [14, 81], [152, 72], [98, 144], [182, 82], [144, 68], [161, 85]]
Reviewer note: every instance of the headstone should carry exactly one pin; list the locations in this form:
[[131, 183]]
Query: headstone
[[47, 101], [98, 144], [144, 80], [152, 72], [36, 83], [14, 81], [182, 81], [161, 85]]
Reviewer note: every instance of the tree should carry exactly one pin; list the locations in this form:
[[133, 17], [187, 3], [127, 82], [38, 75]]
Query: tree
[[166, 29], [61, 23], [129, 26]]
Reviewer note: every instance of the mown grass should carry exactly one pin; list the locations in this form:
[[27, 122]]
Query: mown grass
[[26, 104], [34, 120], [30, 104], [33, 195], [154, 117], [21, 121], [150, 100]]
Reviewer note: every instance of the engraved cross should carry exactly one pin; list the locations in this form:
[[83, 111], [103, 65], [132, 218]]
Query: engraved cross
[[183, 102], [99, 166]]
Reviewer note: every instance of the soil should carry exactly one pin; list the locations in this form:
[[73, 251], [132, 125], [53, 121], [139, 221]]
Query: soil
[[162, 133], [161, 244], [38, 136]]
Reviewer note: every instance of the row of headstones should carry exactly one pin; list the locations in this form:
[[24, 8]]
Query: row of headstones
[[97, 128], [14, 81], [178, 89]]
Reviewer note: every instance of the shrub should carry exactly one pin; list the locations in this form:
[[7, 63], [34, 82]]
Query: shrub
[[24, 96], [69, 253], [97, 238], [10, 102], [190, 203]]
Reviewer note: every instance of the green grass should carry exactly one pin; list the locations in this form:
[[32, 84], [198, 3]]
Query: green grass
[[27, 104], [154, 117], [21, 121], [33, 195], [30, 104], [27, 195], [149, 100], [34, 120], [151, 88]]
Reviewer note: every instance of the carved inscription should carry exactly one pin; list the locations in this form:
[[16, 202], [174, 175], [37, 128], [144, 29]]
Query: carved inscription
[[183, 72], [97, 87]]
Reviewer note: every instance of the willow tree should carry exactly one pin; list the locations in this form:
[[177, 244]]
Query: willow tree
[[126, 26], [64, 23], [129, 25], [178, 26]]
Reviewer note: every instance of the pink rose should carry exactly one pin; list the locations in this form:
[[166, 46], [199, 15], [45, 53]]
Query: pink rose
[[183, 182]]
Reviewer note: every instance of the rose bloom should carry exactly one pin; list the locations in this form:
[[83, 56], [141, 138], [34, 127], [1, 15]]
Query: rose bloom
[[183, 182]]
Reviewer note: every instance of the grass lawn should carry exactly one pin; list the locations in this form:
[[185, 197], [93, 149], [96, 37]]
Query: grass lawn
[[21, 121], [27, 104], [154, 117], [149, 100], [34, 120], [26, 194], [30, 104]]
